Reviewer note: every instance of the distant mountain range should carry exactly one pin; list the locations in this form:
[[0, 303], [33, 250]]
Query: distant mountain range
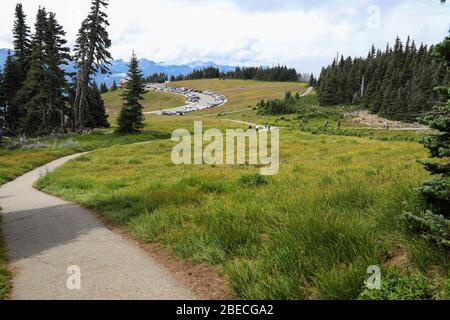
[[119, 68]]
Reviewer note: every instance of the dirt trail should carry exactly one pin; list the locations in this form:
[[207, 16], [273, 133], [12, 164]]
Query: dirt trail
[[376, 122]]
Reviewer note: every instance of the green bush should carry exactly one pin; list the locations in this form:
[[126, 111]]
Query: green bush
[[445, 292], [436, 194], [435, 228], [278, 106], [253, 180], [288, 105], [212, 187], [396, 286]]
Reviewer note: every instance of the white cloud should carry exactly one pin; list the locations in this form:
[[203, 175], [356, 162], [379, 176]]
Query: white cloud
[[303, 34]]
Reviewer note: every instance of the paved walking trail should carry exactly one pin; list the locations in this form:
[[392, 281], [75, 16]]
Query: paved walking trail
[[45, 235], [307, 92]]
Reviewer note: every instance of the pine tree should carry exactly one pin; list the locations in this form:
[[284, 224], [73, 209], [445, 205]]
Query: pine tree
[[32, 96], [56, 87], [10, 84], [434, 221], [2, 94], [91, 56], [22, 50], [43, 94], [312, 81], [103, 88], [16, 69], [114, 86], [131, 118], [97, 117], [402, 71], [3, 125]]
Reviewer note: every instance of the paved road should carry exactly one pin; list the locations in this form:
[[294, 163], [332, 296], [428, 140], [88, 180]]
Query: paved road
[[307, 92], [45, 235]]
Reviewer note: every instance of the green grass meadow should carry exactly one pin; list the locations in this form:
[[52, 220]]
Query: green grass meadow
[[241, 94], [309, 232]]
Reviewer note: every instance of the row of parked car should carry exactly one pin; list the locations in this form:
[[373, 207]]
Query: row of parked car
[[193, 97]]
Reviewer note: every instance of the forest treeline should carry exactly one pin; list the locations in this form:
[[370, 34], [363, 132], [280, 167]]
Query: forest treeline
[[278, 73], [157, 78], [36, 95], [397, 83]]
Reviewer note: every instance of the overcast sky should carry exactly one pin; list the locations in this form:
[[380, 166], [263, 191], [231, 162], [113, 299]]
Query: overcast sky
[[304, 34]]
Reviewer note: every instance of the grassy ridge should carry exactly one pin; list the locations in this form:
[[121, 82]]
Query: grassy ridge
[[14, 163], [241, 94], [309, 232]]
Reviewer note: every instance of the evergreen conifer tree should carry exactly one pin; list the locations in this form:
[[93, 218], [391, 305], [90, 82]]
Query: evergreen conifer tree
[[32, 96], [43, 94], [56, 87], [91, 55], [22, 49], [434, 220], [114, 86], [97, 117], [103, 88], [3, 125], [9, 87], [380, 81], [131, 118], [16, 69]]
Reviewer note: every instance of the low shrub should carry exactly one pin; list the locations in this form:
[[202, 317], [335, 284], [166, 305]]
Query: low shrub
[[253, 180], [398, 286]]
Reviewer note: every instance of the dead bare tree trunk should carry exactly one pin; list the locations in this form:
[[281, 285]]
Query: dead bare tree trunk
[[362, 85]]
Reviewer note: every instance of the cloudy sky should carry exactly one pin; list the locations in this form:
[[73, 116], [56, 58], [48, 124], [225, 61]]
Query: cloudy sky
[[305, 34]]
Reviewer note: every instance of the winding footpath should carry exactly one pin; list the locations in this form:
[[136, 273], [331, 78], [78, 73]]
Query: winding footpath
[[46, 235], [307, 92]]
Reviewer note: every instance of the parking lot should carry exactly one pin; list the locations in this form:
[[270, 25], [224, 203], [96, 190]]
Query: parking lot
[[196, 99]]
